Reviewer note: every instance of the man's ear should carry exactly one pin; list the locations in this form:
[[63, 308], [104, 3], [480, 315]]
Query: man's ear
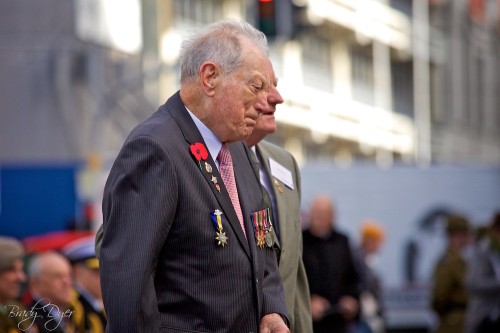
[[208, 76]]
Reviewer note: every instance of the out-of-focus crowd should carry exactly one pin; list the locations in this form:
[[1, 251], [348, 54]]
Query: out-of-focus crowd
[[57, 291]]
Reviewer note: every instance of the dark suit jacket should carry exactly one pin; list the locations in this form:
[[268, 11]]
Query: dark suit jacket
[[291, 267], [331, 273], [161, 267]]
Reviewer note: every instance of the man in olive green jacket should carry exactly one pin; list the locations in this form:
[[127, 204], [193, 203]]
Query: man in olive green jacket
[[449, 294], [280, 176]]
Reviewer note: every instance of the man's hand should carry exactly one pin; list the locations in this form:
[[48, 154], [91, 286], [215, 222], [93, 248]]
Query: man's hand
[[349, 307], [319, 306], [273, 323]]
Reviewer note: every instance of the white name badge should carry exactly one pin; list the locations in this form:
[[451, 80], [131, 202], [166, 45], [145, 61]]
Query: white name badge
[[281, 173]]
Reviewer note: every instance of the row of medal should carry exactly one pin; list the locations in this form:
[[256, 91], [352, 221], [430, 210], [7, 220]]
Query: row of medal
[[261, 221]]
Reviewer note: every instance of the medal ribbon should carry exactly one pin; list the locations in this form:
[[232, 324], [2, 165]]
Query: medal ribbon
[[217, 219], [266, 219], [255, 222]]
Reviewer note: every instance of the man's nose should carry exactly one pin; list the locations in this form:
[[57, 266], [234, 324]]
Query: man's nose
[[274, 97]]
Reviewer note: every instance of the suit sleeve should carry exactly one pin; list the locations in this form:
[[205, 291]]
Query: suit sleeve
[[302, 306], [273, 293], [98, 242], [138, 208], [303, 320]]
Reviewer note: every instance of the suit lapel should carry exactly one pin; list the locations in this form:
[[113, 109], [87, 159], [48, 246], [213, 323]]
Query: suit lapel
[[193, 135], [245, 185], [264, 155]]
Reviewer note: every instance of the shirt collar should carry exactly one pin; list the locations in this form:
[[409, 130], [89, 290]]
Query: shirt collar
[[213, 143]]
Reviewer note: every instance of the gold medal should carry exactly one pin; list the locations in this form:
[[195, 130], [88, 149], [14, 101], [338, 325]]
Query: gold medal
[[261, 241]]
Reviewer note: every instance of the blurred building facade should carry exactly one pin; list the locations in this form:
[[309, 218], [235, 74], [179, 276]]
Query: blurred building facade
[[383, 80], [465, 66]]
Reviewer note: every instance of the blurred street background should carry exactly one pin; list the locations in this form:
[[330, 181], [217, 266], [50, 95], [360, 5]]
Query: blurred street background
[[392, 108]]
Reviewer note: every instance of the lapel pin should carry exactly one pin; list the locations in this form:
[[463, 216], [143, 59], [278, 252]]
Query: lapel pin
[[280, 189], [208, 167]]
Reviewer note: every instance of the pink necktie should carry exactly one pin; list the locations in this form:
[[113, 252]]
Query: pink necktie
[[227, 174]]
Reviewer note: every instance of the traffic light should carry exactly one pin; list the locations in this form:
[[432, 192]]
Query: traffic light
[[266, 16], [279, 18]]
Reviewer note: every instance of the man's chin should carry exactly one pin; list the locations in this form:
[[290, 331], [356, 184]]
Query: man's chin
[[267, 124], [247, 131], [269, 129]]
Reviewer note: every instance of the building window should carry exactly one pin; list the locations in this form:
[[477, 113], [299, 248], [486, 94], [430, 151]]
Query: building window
[[404, 6], [317, 63], [480, 93], [198, 11], [402, 87], [437, 93], [362, 73]]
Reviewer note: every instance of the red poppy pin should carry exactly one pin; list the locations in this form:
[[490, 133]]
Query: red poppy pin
[[199, 152]]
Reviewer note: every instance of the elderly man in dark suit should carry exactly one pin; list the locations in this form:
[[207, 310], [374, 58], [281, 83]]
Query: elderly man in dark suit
[[179, 251]]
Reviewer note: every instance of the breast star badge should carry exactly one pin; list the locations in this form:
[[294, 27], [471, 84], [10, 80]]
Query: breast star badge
[[221, 238]]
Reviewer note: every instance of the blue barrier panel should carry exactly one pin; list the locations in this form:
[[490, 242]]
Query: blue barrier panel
[[36, 199]]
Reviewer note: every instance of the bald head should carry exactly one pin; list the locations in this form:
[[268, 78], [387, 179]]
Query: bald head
[[322, 216], [50, 278]]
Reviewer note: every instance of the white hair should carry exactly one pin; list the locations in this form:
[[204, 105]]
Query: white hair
[[219, 42]]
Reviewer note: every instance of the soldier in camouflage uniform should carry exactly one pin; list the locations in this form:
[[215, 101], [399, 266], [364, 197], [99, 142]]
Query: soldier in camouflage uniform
[[449, 295]]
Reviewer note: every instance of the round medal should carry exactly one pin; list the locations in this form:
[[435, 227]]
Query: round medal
[[269, 240]]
